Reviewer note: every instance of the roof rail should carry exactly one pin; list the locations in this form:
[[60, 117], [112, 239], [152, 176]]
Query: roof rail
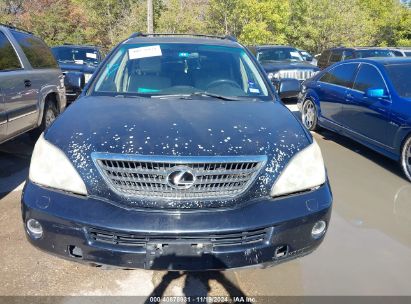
[[139, 34], [15, 28], [77, 45]]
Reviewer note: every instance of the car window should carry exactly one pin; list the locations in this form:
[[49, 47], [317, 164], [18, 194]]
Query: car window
[[323, 59], [36, 51], [341, 75], [78, 55], [8, 56], [398, 53], [336, 56], [400, 78], [306, 56], [373, 53], [408, 54], [348, 55], [368, 77], [279, 54], [170, 69]]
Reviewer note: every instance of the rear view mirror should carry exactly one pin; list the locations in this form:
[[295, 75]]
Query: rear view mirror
[[74, 81], [289, 87], [376, 93]]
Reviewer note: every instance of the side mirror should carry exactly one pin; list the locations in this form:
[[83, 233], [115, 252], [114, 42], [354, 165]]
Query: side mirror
[[376, 93], [289, 87], [74, 81]]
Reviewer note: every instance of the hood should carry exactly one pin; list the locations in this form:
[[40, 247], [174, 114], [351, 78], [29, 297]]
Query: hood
[[77, 67], [199, 127], [271, 66]]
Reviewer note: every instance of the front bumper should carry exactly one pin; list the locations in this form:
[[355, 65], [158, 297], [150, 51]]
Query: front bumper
[[175, 240], [71, 96]]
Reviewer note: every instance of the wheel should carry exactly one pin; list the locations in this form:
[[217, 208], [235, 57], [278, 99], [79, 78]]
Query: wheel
[[49, 115], [309, 115], [406, 158]]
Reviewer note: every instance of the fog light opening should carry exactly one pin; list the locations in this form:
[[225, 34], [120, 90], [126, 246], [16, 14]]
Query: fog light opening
[[75, 252], [34, 228], [319, 229], [281, 251]]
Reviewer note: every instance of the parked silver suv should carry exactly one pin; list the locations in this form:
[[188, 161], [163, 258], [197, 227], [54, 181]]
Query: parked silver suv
[[32, 89]]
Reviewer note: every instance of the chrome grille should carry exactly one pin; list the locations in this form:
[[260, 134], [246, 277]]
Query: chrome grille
[[296, 74], [147, 176], [140, 239]]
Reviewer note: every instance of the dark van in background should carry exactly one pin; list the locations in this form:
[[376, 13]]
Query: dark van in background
[[32, 90], [78, 63], [334, 55]]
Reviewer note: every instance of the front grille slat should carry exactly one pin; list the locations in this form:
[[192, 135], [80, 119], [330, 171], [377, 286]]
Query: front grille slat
[[141, 239], [296, 74], [147, 176]]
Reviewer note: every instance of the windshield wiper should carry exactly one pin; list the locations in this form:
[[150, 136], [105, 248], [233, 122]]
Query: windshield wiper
[[208, 94], [65, 60], [182, 96], [191, 95]]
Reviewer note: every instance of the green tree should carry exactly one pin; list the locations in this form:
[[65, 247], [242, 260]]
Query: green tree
[[56, 21], [106, 17], [223, 17], [402, 30], [182, 16], [252, 21], [264, 21], [384, 16], [10, 11], [319, 24]]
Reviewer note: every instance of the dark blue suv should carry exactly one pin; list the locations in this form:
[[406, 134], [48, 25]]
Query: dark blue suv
[[368, 100], [178, 155], [77, 60]]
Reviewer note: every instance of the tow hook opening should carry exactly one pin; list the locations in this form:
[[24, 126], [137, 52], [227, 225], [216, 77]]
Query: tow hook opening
[[281, 251], [75, 252]]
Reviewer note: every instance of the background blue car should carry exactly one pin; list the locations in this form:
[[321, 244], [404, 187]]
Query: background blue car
[[368, 100]]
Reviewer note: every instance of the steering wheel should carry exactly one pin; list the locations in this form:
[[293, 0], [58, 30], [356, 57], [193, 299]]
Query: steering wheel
[[218, 82]]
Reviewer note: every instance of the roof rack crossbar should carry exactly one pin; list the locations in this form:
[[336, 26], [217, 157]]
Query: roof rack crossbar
[[15, 28], [139, 34], [77, 45]]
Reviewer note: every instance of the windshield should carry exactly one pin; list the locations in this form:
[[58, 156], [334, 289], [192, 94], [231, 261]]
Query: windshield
[[180, 69], [373, 53], [400, 78], [76, 55], [279, 54], [306, 56]]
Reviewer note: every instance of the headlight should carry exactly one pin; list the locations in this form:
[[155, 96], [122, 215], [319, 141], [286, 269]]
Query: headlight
[[51, 168], [87, 77], [303, 88], [305, 171], [273, 75]]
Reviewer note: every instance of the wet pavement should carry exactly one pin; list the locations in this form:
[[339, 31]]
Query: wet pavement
[[367, 250]]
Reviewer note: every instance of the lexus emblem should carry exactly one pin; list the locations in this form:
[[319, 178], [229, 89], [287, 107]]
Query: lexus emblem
[[181, 178]]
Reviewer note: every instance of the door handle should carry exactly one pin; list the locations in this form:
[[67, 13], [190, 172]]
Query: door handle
[[27, 83]]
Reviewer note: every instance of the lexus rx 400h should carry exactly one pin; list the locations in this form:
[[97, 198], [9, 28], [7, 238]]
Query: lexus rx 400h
[[178, 155]]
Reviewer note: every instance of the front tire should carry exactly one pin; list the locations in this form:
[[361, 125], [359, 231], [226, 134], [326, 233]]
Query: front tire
[[309, 115], [406, 158], [49, 115]]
